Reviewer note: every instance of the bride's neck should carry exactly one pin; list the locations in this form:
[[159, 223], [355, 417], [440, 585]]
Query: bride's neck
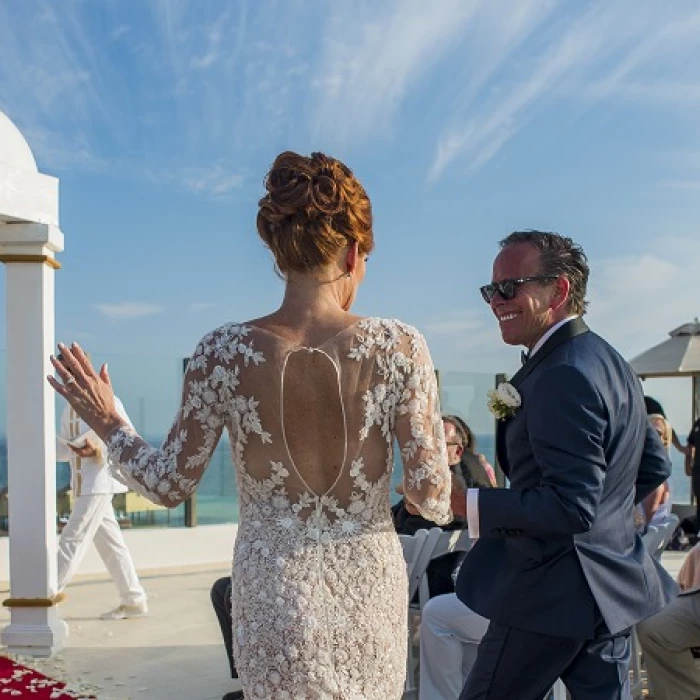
[[312, 299]]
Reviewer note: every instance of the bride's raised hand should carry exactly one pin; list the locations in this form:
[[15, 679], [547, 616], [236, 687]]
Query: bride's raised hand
[[88, 392]]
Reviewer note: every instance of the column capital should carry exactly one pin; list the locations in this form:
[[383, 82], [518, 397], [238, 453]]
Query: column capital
[[27, 243]]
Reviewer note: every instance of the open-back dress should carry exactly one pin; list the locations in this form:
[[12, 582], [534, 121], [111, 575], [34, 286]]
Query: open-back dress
[[319, 580]]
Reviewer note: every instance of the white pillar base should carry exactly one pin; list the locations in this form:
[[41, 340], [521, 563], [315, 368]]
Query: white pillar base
[[40, 634]]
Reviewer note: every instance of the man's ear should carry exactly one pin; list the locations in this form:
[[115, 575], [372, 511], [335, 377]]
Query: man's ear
[[562, 286]]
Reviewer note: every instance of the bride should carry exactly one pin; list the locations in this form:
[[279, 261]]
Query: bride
[[314, 399]]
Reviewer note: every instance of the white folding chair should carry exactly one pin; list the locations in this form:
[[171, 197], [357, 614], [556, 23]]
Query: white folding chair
[[412, 548], [448, 542], [437, 543]]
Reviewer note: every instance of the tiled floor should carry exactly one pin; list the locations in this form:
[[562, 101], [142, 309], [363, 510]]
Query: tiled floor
[[175, 653]]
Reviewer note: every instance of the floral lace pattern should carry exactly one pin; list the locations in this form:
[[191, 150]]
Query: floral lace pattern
[[319, 581]]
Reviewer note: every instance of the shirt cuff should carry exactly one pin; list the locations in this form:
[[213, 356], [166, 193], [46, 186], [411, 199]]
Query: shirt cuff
[[473, 513]]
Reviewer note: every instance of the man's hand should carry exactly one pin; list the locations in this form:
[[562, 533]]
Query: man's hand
[[89, 449], [411, 508], [458, 502]]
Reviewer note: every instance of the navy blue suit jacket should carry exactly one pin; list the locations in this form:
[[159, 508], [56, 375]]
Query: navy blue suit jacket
[[558, 549]]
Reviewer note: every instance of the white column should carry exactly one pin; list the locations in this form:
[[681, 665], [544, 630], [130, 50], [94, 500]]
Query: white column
[[27, 249], [29, 240], [35, 627]]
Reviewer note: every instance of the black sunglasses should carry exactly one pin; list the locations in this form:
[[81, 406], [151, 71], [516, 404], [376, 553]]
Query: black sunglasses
[[509, 288]]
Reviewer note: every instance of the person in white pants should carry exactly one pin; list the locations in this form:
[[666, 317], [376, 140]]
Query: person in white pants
[[92, 517], [450, 634]]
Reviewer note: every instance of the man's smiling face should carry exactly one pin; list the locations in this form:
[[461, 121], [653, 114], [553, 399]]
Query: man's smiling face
[[525, 318]]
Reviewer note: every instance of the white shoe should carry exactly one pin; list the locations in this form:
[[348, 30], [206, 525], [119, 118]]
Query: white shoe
[[126, 611]]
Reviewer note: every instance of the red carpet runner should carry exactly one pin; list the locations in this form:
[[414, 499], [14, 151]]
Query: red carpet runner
[[17, 681]]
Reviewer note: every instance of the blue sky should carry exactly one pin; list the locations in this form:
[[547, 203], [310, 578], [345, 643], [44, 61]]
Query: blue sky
[[464, 120]]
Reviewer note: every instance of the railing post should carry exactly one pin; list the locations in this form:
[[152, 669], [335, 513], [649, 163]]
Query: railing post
[[191, 502]]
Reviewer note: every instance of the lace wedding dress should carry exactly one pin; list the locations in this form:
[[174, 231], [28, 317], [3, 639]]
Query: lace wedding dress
[[319, 580]]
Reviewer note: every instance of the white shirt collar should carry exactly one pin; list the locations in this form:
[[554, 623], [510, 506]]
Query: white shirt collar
[[549, 333]]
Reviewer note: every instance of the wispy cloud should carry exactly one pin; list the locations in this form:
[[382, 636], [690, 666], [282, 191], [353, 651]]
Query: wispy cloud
[[124, 311], [197, 307], [374, 55], [596, 55], [218, 180], [630, 312]]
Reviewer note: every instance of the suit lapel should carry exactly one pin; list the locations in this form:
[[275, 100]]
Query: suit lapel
[[569, 330]]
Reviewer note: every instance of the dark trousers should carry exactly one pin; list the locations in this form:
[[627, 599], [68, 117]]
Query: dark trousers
[[514, 664], [695, 481], [221, 600]]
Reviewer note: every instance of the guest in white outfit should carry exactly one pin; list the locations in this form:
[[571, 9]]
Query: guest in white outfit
[[92, 517], [450, 634]]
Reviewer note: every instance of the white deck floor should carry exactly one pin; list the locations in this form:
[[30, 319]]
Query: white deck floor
[[176, 653]]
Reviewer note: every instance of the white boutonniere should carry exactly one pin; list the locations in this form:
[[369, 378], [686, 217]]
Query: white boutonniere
[[504, 401]]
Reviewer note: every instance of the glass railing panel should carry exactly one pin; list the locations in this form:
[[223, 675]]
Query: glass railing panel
[[463, 394]]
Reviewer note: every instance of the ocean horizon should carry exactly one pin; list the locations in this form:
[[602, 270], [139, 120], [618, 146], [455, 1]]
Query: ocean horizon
[[217, 494]]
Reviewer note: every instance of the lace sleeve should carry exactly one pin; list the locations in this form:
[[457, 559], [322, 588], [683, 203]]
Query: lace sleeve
[[170, 475], [427, 480]]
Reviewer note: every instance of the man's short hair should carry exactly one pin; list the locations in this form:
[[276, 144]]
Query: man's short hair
[[559, 257]]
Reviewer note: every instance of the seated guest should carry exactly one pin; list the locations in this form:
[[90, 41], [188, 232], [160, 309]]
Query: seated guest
[[654, 407], [476, 468], [657, 505], [221, 600], [670, 639], [450, 634], [440, 571]]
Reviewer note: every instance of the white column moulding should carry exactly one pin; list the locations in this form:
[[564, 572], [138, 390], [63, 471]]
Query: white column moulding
[[29, 239]]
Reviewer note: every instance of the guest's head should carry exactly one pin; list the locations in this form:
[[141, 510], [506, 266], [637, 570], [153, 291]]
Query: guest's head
[[316, 218], [653, 406], [663, 428], [538, 280], [458, 437]]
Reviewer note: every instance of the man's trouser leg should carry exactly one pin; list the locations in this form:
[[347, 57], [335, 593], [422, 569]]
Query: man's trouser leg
[[77, 535], [450, 634], [666, 639], [514, 663], [113, 551]]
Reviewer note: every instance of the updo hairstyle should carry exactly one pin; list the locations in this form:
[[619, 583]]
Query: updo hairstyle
[[313, 208]]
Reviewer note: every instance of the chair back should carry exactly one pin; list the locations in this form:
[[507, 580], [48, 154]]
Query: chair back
[[429, 539], [412, 546]]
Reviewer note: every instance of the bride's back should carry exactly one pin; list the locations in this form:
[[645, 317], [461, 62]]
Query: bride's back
[[319, 393], [320, 420]]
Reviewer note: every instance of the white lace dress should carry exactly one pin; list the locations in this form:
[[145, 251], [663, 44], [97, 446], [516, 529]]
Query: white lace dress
[[319, 581]]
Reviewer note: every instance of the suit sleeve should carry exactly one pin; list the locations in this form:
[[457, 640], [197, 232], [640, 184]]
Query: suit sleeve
[[566, 422], [655, 465]]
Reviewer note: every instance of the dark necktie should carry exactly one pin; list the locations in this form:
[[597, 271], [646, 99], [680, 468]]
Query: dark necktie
[[524, 356]]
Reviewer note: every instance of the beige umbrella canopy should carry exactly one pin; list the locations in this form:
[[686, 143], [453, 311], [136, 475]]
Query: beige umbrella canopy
[[679, 356]]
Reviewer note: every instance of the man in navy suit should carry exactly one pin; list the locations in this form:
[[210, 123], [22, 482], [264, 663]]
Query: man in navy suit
[[567, 574]]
